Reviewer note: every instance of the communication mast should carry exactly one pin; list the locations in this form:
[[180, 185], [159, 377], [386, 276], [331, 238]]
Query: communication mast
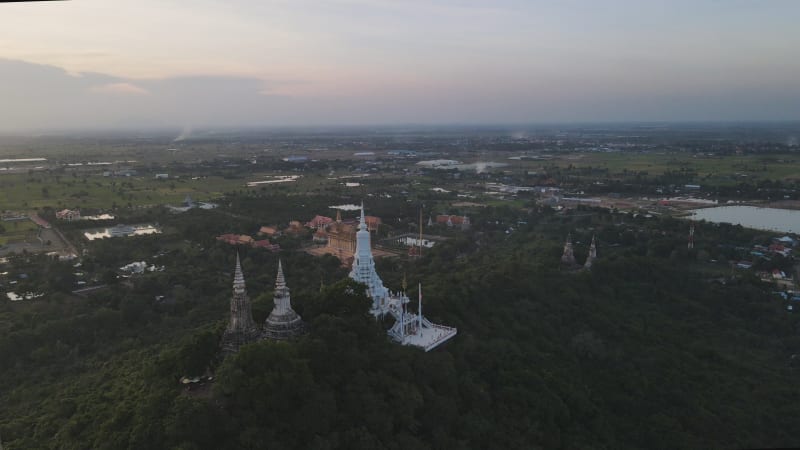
[[420, 232]]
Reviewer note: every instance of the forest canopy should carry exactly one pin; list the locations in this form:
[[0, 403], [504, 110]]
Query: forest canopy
[[643, 351]]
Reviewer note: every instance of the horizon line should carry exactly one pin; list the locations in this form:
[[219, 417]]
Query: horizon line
[[206, 128]]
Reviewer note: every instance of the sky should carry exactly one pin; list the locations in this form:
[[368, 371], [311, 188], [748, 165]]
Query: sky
[[213, 63]]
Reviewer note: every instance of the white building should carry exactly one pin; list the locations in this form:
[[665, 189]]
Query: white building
[[68, 214]]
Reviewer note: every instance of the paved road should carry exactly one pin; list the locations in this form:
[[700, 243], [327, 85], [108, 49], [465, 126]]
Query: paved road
[[89, 290]]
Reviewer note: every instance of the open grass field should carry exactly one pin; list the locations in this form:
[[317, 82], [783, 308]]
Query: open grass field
[[23, 192], [74, 149], [17, 231], [712, 170], [39, 190], [28, 191]]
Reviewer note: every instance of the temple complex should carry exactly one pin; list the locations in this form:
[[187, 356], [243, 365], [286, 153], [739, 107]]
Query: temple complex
[[283, 322], [341, 238], [338, 237], [241, 328], [409, 328]]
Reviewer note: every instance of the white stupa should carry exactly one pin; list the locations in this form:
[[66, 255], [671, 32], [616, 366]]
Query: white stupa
[[363, 269], [409, 328]]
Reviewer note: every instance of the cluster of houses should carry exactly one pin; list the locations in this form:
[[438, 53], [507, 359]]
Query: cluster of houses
[[140, 267], [782, 246], [75, 214], [779, 246]]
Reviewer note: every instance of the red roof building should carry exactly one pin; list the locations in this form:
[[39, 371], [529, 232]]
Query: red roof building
[[243, 239], [231, 239], [372, 222], [319, 222], [779, 248], [269, 231], [68, 214], [453, 221]]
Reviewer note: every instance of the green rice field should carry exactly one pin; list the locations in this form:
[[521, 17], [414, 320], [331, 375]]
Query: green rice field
[[20, 192], [17, 231], [714, 170]]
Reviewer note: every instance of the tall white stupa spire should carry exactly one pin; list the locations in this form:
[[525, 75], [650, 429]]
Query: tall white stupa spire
[[363, 269], [362, 224], [409, 328], [238, 277]]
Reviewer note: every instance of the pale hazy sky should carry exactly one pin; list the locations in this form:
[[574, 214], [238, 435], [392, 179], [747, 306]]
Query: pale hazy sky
[[102, 63]]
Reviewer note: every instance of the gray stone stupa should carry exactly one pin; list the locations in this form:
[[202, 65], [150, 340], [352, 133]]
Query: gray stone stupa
[[592, 255], [568, 258], [283, 322], [241, 328]]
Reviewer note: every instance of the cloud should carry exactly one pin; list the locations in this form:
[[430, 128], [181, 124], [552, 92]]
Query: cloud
[[45, 97], [119, 89]]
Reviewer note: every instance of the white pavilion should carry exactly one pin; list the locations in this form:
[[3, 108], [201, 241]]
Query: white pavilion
[[409, 328]]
